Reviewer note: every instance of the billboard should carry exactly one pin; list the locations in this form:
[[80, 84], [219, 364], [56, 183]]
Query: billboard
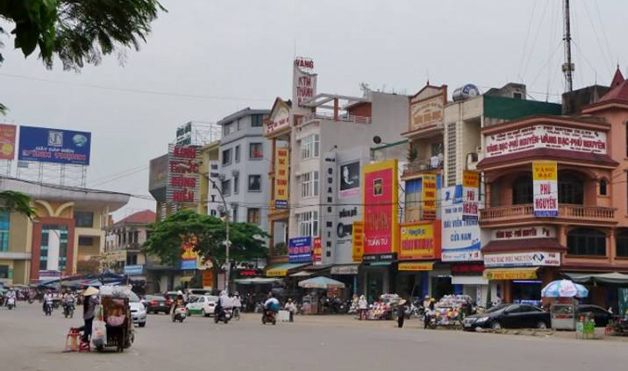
[[428, 196], [420, 241], [188, 256], [471, 193], [545, 188], [303, 82], [350, 179], [54, 145], [183, 175], [8, 133], [460, 238], [282, 174], [357, 251], [300, 250], [317, 251], [380, 199]]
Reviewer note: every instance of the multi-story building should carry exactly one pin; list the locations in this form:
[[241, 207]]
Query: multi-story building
[[66, 238], [556, 200], [244, 164]]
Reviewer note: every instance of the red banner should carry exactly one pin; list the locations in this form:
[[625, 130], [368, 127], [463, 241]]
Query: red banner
[[7, 141], [380, 208]]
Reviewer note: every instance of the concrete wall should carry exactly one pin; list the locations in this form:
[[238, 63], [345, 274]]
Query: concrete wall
[[465, 115]]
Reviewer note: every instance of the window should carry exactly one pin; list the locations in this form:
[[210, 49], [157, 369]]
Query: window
[[236, 184], [84, 219], [522, 191], [226, 156], [253, 216], [5, 227], [603, 187], [4, 271], [86, 241], [622, 243], [586, 242], [309, 184], [570, 189], [517, 95], [131, 259], [228, 129], [226, 187], [257, 121], [308, 223], [235, 213], [237, 154], [255, 183], [240, 125], [310, 147], [256, 151]]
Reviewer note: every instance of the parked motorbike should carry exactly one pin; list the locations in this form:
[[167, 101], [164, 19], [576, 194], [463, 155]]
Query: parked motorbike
[[223, 315], [269, 316], [68, 309], [11, 303], [179, 314]]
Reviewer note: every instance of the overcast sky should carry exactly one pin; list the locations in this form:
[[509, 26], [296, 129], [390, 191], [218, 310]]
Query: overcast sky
[[237, 54]]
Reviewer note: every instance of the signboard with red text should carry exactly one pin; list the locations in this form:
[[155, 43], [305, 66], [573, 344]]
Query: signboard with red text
[[380, 194], [304, 82], [545, 188], [183, 175]]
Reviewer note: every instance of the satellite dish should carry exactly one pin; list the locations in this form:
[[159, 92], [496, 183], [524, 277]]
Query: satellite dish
[[377, 139]]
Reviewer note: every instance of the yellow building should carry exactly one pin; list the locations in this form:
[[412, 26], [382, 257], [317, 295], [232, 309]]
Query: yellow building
[[66, 238]]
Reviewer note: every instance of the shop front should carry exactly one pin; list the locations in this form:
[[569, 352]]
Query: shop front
[[468, 277], [377, 274], [347, 274], [419, 250]]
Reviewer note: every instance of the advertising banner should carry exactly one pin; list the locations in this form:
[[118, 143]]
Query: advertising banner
[[358, 242], [300, 250], [415, 267], [279, 118], [470, 194], [350, 179], [317, 251], [545, 188], [282, 164], [460, 238], [303, 83], [134, 270], [54, 145], [507, 234], [420, 241], [183, 175], [380, 194], [208, 279], [188, 256], [8, 133], [428, 196], [545, 136], [622, 300], [510, 274], [524, 259]]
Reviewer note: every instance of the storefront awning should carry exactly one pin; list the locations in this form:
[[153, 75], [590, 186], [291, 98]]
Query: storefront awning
[[281, 270], [616, 278], [509, 274], [256, 281]]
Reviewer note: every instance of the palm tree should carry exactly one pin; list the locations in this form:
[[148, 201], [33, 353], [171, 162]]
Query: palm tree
[[17, 202]]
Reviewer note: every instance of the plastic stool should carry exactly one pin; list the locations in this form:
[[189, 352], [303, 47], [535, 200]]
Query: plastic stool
[[84, 347], [73, 340]]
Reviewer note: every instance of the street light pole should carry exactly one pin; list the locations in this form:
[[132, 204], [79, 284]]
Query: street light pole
[[227, 242]]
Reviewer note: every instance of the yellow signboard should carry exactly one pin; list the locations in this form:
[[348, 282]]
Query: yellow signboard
[[358, 242], [428, 196], [470, 179], [420, 241], [416, 267], [282, 164], [511, 274], [276, 273], [544, 170]]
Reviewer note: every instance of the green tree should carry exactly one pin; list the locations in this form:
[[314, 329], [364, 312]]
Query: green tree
[[207, 234], [17, 202], [78, 32]]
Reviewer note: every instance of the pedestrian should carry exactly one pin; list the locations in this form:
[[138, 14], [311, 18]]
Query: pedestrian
[[401, 313], [89, 307], [291, 308], [363, 307]]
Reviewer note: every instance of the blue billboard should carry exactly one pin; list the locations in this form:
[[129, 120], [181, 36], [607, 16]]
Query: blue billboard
[[300, 250], [54, 145]]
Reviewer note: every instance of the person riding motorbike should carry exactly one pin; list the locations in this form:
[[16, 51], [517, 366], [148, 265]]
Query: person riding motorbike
[[271, 306], [11, 295], [177, 303], [430, 312], [48, 300], [68, 303]]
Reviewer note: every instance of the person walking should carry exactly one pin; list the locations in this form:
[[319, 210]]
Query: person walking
[[401, 313], [89, 307], [363, 307]]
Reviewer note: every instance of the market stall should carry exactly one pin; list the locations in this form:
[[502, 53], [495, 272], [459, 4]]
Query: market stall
[[450, 310], [564, 310]]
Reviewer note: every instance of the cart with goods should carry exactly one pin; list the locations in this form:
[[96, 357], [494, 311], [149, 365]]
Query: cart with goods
[[449, 310], [113, 325], [564, 311]]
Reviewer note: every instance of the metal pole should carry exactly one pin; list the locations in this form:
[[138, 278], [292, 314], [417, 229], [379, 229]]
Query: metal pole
[[227, 242], [568, 66]]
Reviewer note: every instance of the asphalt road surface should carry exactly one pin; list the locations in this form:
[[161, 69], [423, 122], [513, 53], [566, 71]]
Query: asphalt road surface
[[31, 341]]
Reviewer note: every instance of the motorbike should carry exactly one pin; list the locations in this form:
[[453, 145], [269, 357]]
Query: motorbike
[[11, 303], [223, 315], [269, 316], [431, 321], [68, 309], [179, 314]]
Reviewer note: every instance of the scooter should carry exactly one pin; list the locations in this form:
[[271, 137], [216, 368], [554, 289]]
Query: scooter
[[179, 314], [269, 316], [11, 303], [223, 315], [68, 309]]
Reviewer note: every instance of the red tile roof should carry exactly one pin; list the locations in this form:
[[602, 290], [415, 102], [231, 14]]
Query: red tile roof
[[619, 89], [548, 153], [617, 79], [141, 217], [529, 244]]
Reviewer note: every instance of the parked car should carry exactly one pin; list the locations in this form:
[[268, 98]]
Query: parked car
[[203, 305], [509, 316], [602, 316], [158, 304], [138, 310]]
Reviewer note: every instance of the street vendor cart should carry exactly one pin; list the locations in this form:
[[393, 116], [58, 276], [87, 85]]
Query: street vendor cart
[[115, 315]]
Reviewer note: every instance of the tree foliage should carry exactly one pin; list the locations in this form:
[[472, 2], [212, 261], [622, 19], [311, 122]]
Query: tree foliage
[[17, 202], [208, 235], [79, 32]]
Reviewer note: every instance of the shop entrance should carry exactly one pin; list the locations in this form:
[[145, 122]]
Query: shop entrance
[[375, 285], [441, 286], [527, 292]]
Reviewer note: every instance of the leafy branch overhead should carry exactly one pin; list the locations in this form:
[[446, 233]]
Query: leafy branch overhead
[[167, 238], [78, 32], [17, 202]]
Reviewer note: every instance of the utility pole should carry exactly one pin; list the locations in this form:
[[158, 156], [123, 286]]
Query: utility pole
[[227, 242], [568, 66]]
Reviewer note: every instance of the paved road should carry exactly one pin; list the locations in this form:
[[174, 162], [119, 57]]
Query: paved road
[[30, 341]]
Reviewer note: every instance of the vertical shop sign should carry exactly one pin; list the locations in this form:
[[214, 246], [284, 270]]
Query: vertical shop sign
[[282, 160], [461, 238], [318, 251], [183, 175], [304, 82], [358, 242], [545, 177], [7, 141], [208, 279], [429, 196], [380, 194], [470, 195]]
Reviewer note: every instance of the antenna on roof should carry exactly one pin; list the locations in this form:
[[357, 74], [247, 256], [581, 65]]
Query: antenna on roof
[[568, 66]]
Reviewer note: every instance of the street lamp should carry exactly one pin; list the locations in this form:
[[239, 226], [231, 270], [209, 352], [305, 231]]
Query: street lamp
[[227, 242]]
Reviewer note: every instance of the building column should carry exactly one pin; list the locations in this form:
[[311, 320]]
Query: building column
[[487, 195], [271, 240], [611, 248]]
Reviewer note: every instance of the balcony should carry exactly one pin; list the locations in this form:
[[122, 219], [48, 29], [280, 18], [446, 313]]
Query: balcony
[[419, 166], [330, 117], [566, 213]]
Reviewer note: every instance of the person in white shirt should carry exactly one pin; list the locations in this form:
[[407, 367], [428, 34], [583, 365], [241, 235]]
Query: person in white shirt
[[291, 307]]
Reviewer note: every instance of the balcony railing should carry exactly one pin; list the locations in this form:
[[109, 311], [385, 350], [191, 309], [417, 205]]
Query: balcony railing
[[576, 212], [423, 165], [330, 117]]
